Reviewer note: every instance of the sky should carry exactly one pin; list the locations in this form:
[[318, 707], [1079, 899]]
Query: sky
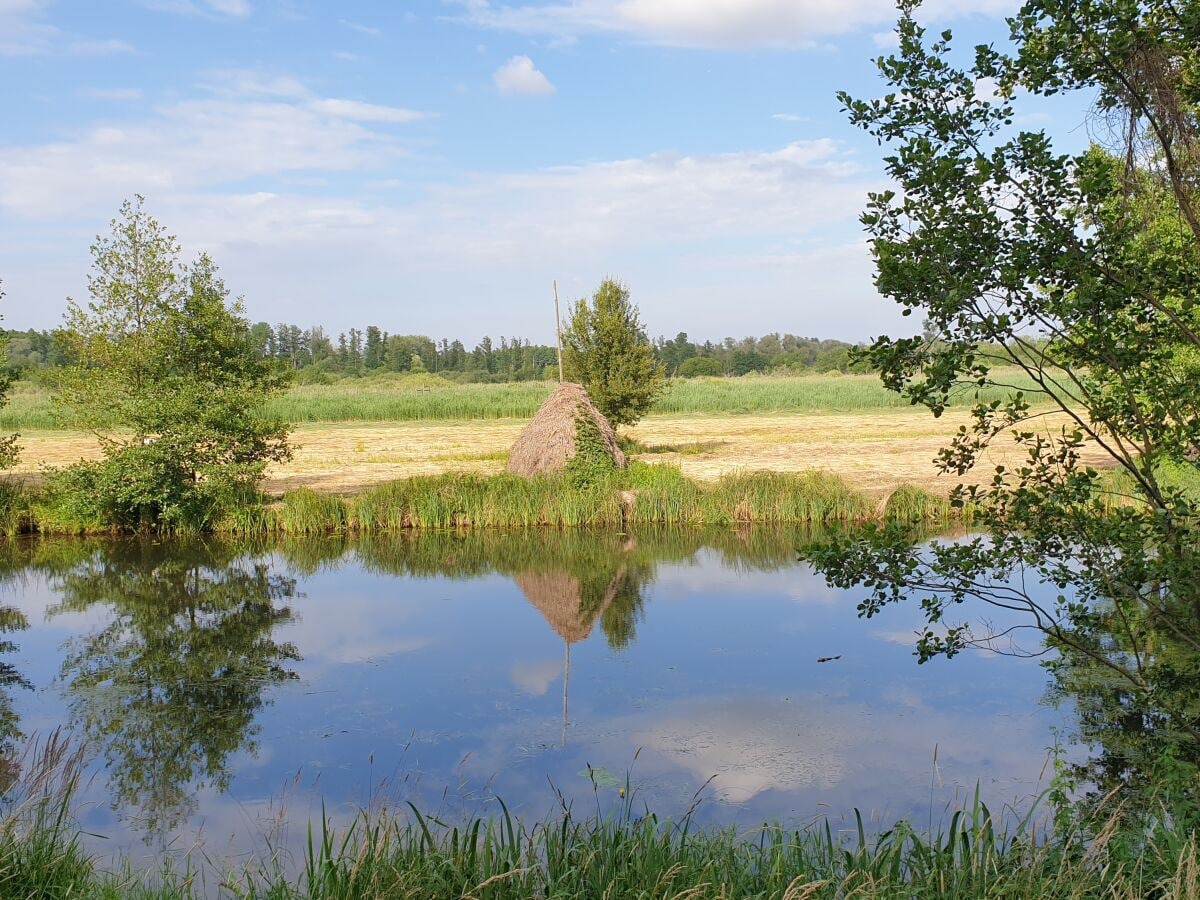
[[432, 166]]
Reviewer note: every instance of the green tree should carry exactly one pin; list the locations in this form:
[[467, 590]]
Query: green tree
[[8, 443], [605, 349], [264, 338], [170, 377], [374, 349], [700, 365], [1080, 270], [746, 361], [354, 352], [483, 357]]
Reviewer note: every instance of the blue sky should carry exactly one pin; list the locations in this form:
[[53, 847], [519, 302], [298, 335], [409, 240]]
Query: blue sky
[[430, 166]]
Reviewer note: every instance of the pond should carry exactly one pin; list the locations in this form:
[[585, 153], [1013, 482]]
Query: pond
[[221, 692]]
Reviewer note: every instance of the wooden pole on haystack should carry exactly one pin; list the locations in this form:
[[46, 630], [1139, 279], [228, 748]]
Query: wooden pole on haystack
[[558, 331]]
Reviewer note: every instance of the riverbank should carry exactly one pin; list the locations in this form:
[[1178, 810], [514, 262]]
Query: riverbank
[[643, 495]]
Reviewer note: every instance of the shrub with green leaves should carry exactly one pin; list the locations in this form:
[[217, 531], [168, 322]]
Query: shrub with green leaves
[[8, 443], [169, 377], [592, 464]]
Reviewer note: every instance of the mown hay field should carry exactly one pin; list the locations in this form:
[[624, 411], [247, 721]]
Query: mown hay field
[[359, 432], [873, 451]]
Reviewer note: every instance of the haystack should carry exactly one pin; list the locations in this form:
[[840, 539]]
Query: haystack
[[548, 442]]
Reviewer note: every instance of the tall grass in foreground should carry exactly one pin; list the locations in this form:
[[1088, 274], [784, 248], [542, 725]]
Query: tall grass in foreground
[[383, 399], [630, 852]]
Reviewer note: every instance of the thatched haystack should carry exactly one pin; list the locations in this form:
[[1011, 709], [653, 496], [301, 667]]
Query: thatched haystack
[[548, 442]]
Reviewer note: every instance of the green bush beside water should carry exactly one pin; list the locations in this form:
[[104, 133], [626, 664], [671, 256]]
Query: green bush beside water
[[643, 495]]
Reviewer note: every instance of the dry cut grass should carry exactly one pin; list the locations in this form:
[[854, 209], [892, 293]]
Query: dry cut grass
[[872, 451]]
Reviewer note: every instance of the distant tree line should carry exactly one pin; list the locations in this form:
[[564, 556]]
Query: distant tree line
[[316, 356]]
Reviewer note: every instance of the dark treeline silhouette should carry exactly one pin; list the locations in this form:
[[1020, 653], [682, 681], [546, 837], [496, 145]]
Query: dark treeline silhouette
[[318, 356]]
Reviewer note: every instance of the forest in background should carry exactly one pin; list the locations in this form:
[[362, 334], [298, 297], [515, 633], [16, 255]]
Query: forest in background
[[317, 357]]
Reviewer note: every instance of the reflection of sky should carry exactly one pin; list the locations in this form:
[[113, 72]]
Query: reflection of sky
[[446, 692]]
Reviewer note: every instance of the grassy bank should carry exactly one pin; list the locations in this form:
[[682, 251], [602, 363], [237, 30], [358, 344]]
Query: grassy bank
[[416, 398], [643, 495], [630, 853]]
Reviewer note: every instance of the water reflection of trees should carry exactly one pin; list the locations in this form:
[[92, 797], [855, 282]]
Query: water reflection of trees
[[574, 577], [1148, 753], [11, 620], [169, 689]]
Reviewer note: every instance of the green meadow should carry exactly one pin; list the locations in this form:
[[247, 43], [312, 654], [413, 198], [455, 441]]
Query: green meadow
[[426, 397]]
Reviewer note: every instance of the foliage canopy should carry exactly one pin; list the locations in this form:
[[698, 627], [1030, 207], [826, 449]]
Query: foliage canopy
[[1082, 270], [169, 378], [8, 443], [605, 349]]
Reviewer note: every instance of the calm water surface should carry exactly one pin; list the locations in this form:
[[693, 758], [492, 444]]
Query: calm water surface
[[217, 687]]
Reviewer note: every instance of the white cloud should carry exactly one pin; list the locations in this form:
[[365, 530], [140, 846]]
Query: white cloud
[[790, 117], [253, 83], [237, 9], [253, 126], [229, 9], [366, 112], [361, 28], [24, 32], [282, 186], [708, 23], [520, 76], [82, 47], [987, 90]]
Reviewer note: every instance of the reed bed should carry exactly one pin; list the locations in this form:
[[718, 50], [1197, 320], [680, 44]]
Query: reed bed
[[384, 399], [645, 494], [909, 503]]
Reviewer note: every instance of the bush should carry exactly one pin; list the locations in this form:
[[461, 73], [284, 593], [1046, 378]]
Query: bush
[[700, 365], [591, 464]]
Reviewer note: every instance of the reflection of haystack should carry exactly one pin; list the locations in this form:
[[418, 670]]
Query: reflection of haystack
[[559, 598], [548, 442]]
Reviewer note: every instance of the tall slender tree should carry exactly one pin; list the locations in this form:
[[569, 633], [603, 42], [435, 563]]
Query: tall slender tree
[[606, 350]]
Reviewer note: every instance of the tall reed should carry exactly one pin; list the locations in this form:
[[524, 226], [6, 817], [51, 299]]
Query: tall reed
[[631, 852], [645, 494]]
